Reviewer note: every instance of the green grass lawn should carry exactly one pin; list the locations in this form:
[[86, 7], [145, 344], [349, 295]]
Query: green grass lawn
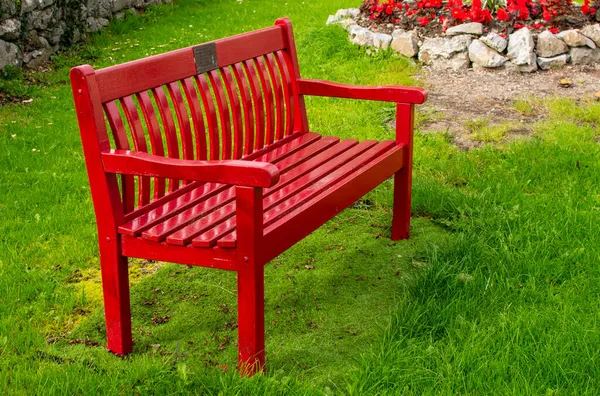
[[497, 292]]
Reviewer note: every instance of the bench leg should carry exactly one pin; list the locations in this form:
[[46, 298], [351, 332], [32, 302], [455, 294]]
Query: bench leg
[[403, 178], [115, 286], [402, 203], [251, 319]]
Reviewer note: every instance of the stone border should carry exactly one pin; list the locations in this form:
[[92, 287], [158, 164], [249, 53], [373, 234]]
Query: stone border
[[464, 46], [32, 30]]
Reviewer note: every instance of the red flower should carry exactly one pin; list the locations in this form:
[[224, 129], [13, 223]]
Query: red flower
[[502, 15], [585, 9], [553, 30], [546, 15], [518, 26], [395, 20], [537, 25], [389, 10], [423, 21]]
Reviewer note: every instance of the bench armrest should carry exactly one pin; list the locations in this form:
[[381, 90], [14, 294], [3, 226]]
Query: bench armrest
[[394, 94], [236, 172]]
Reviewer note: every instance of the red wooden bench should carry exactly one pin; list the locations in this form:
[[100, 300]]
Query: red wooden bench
[[210, 162]]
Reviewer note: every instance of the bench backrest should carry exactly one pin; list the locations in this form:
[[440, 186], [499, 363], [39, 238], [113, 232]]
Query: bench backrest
[[226, 99]]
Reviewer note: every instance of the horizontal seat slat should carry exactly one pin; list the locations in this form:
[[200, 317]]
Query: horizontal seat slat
[[140, 75]]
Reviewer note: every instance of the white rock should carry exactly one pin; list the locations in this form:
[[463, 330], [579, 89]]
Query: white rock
[[9, 55], [360, 36], [575, 39], [439, 47], [10, 29], [466, 28], [592, 32], [381, 40], [554, 62], [458, 62], [405, 43], [494, 41], [520, 48], [549, 46], [347, 13], [483, 55], [331, 20], [584, 56]]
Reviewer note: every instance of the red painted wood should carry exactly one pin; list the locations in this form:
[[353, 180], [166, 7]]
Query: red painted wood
[[120, 137], [267, 93], [169, 130], [243, 86], [185, 130], [195, 221], [225, 259], [236, 113], [384, 94], [155, 136], [296, 225], [257, 98], [197, 120], [287, 91], [139, 143], [239, 172], [405, 119], [211, 116], [204, 215], [249, 45], [168, 208], [251, 298], [315, 156], [107, 206], [278, 93], [300, 119], [223, 108]]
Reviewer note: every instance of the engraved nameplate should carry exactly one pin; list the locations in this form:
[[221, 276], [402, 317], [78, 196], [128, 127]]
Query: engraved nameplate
[[205, 56]]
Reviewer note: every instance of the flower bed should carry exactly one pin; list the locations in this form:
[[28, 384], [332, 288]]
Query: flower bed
[[520, 35]]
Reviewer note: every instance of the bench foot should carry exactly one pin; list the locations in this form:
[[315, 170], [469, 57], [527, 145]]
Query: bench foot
[[115, 286], [251, 319]]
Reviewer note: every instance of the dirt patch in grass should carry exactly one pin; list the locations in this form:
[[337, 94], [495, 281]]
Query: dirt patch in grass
[[476, 107]]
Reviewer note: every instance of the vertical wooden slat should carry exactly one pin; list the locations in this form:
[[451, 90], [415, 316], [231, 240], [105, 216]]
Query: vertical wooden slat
[[259, 111], [197, 119], [278, 93], [300, 119], [268, 95], [211, 116], [243, 86], [215, 81], [236, 112], [139, 142], [287, 92], [156, 142], [169, 129], [120, 136], [185, 131]]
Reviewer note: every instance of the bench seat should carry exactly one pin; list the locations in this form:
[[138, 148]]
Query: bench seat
[[202, 215]]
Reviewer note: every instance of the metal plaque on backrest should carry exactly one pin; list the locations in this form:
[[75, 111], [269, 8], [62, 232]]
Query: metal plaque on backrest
[[205, 56]]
